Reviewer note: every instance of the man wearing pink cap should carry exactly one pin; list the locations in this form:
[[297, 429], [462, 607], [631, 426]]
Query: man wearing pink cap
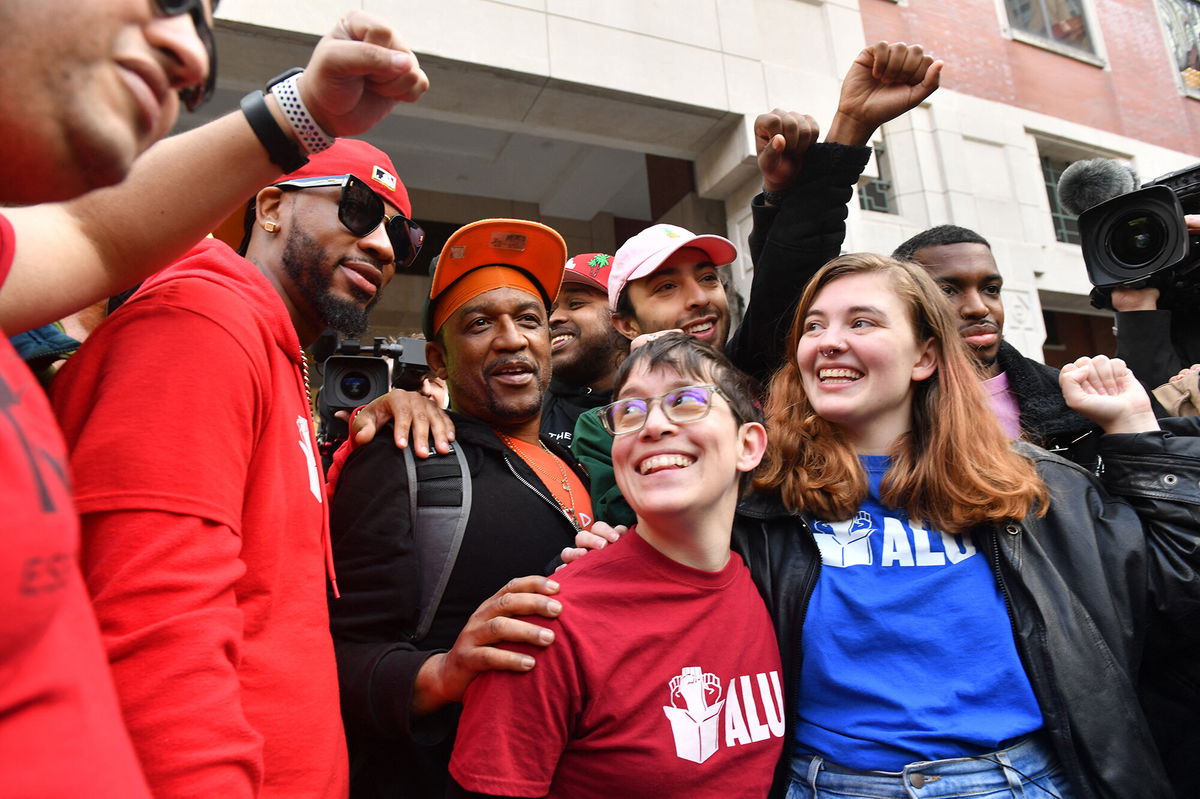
[[665, 277], [205, 531], [585, 348]]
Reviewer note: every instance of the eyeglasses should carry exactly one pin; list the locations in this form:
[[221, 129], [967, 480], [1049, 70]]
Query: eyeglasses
[[195, 96], [361, 211], [683, 405]]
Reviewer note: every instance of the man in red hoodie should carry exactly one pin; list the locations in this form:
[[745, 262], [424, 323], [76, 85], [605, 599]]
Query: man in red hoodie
[[205, 531], [90, 208]]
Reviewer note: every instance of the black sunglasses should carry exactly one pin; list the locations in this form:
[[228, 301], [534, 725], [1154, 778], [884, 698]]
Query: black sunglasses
[[361, 211], [195, 96]]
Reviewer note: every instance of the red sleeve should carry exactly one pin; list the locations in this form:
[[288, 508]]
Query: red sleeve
[[162, 586], [8, 248], [160, 410], [339, 461], [515, 725]]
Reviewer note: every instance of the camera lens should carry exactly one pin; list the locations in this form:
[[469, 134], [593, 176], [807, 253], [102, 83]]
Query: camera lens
[[355, 385], [1137, 239]]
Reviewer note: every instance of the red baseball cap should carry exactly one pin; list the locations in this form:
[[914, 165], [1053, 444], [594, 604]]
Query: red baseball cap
[[590, 269], [346, 157], [365, 161]]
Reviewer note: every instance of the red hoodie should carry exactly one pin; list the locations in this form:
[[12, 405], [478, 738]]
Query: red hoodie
[[205, 531], [61, 734]]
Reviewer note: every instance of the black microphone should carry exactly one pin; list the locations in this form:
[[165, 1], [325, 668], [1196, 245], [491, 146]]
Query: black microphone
[[1091, 182]]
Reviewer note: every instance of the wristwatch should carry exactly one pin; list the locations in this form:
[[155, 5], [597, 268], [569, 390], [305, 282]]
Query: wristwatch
[[282, 151]]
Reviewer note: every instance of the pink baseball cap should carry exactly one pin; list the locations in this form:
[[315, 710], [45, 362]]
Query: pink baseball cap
[[643, 254], [589, 269]]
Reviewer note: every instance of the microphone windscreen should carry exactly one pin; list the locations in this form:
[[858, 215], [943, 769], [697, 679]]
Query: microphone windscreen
[[1091, 182]]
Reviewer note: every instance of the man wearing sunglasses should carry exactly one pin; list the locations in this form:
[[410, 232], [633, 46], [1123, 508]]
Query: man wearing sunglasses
[[86, 89], [366, 207], [205, 532]]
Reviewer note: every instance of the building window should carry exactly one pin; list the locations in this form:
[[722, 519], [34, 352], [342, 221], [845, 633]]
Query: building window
[[1053, 339], [1058, 22], [1066, 225], [1181, 22], [875, 191]]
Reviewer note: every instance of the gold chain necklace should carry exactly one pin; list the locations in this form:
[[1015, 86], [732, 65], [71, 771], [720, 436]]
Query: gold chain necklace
[[304, 371], [563, 479]]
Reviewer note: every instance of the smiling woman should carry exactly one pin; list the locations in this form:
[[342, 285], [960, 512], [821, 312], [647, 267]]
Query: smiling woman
[[940, 595], [905, 387]]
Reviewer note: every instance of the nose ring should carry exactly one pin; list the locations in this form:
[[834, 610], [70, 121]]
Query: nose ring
[[828, 353]]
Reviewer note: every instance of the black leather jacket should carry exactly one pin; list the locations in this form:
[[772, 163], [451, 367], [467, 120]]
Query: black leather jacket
[[1081, 585]]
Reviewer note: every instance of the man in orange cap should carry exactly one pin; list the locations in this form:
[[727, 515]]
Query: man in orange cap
[[404, 659], [205, 532]]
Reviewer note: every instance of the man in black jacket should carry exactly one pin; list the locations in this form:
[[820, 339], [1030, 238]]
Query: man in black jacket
[[585, 348], [962, 263], [1024, 392], [487, 332]]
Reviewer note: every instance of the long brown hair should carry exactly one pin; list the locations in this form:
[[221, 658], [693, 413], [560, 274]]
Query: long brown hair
[[953, 469]]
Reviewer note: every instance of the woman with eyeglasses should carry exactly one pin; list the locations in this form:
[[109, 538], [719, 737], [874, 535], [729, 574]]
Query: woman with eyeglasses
[[664, 677], [959, 617]]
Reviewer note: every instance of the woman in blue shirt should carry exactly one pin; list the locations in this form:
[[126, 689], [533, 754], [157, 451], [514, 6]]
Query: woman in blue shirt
[[958, 616]]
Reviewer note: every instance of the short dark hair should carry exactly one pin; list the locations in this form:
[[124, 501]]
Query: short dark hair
[[248, 217], [939, 236], [693, 358], [624, 306]]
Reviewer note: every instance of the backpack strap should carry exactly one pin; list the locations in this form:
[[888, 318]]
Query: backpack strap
[[439, 502]]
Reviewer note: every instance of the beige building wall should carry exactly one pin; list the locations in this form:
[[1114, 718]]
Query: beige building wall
[[597, 84]]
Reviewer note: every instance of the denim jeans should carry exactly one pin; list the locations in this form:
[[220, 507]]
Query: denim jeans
[[1026, 770]]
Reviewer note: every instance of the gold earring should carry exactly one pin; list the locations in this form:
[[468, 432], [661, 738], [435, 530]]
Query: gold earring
[[270, 226]]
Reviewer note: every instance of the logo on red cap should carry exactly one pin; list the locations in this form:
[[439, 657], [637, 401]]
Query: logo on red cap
[[597, 264], [381, 175]]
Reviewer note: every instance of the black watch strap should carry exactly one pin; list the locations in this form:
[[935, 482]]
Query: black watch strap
[[282, 151]]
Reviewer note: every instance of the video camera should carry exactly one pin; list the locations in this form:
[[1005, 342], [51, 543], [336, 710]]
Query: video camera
[[1140, 240], [357, 373]]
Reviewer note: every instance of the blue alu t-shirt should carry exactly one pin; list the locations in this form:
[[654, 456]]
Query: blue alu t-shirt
[[908, 648]]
